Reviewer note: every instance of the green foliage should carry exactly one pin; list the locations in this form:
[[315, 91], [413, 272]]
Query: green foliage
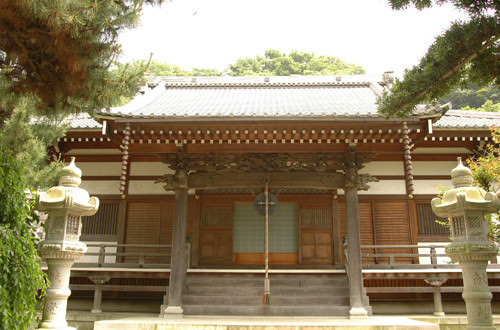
[[296, 63], [29, 140], [22, 282], [488, 106], [467, 51], [164, 69], [55, 59], [486, 167], [473, 97], [486, 173], [59, 52]]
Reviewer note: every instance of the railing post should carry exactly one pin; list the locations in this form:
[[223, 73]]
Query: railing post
[[433, 256], [438, 303], [392, 260], [188, 253], [102, 255], [98, 281]]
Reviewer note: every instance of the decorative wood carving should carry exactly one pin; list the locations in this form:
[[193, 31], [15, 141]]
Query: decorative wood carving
[[410, 187], [261, 162], [125, 156], [353, 162], [255, 180], [284, 170]]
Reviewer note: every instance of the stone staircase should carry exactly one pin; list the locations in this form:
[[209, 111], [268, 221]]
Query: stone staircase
[[323, 294]]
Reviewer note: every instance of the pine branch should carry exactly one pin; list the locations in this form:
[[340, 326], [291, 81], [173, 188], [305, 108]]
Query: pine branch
[[461, 64]]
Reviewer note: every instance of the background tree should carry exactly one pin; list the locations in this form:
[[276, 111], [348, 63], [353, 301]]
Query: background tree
[[473, 97], [164, 69], [296, 63], [467, 52]]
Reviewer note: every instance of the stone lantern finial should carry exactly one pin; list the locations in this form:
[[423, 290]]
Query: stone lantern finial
[[461, 176], [71, 176]]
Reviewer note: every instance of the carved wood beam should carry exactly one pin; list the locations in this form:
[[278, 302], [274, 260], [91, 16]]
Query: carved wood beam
[[290, 180]]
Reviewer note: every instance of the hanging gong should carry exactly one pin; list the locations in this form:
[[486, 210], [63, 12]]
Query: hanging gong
[[260, 203]]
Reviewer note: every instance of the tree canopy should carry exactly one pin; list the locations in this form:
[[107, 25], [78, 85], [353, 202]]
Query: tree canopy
[[468, 51], [55, 58], [59, 52], [473, 97], [296, 63]]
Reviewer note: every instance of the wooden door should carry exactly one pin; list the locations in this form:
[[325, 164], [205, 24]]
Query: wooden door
[[149, 222], [216, 235], [392, 227], [316, 235], [143, 224]]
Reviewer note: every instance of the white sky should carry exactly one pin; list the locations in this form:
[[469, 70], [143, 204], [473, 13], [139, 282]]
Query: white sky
[[215, 33]]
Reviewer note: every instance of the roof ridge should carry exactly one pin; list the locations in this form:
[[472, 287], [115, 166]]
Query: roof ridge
[[471, 113], [267, 84]]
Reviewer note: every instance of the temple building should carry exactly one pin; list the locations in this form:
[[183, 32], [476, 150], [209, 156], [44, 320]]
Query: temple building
[[178, 171]]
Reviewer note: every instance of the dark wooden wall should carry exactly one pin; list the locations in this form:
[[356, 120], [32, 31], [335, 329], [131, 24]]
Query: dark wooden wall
[[322, 224]]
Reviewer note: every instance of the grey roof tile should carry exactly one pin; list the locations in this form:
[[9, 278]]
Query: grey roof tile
[[81, 121], [454, 119], [248, 97]]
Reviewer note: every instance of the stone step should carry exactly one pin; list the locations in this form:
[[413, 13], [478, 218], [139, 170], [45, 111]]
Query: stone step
[[276, 290], [291, 295], [297, 282], [269, 310], [253, 300]]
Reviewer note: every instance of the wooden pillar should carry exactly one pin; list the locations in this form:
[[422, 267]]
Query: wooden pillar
[[337, 237], [352, 184], [178, 259]]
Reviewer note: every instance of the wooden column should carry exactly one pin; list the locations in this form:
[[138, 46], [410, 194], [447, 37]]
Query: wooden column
[[352, 184], [337, 237], [178, 259]]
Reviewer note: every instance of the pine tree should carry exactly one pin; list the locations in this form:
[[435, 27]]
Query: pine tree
[[59, 52], [468, 52], [55, 57]]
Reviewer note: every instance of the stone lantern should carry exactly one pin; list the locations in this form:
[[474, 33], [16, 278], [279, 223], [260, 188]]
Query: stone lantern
[[65, 204], [466, 206]]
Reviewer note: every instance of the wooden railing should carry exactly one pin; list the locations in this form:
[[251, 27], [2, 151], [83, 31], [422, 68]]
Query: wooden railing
[[112, 255], [382, 255]]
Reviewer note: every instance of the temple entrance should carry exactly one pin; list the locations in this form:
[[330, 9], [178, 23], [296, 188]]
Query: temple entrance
[[248, 235]]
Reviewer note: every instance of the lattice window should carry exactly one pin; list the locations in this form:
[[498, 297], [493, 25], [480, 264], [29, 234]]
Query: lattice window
[[316, 217], [103, 226], [458, 226], [429, 224], [72, 228], [217, 217]]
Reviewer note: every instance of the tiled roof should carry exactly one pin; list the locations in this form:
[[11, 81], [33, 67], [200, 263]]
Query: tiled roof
[[460, 119], [254, 97], [82, 121]]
